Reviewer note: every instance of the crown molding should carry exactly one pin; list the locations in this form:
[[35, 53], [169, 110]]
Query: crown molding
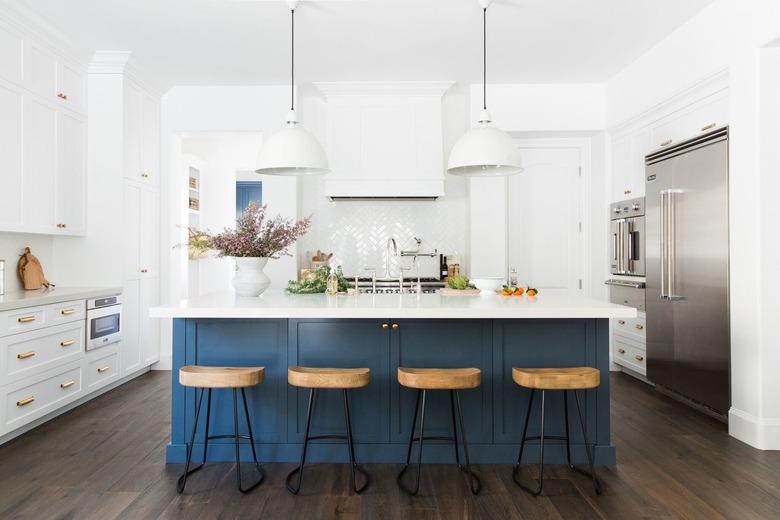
[[109, 62], [385, 88]]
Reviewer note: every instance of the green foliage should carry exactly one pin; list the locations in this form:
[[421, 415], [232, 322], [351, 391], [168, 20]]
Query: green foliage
[[318, 283]]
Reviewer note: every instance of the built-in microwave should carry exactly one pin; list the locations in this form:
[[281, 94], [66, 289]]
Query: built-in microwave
[[104, 321], [627, 225]]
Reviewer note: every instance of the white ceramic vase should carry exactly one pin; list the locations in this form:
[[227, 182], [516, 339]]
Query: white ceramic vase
[[250, 280]]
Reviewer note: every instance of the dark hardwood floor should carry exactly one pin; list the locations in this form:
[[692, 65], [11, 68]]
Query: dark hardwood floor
[[105, 460]]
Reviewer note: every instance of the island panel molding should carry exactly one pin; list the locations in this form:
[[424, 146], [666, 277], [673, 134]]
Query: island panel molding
[[381, 412]]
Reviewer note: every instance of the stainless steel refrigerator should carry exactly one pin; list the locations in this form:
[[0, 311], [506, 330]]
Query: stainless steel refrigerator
[[687, 245]]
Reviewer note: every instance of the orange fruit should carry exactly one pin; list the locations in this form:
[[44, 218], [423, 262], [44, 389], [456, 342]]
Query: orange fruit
[[519, 291], [532, 292]]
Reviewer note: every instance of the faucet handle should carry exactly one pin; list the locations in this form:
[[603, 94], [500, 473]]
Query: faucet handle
[[371, 270]]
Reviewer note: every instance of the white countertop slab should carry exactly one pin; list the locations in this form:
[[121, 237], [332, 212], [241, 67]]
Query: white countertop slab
[[277, 304], [22, 299]]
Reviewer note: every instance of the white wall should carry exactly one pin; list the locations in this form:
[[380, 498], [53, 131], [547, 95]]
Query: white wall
[[11, 247], [730, 34]]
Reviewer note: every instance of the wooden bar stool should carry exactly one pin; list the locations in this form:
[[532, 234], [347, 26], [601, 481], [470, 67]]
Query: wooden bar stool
[[335, 379], [201, 377], [452, 379], [566, 379]]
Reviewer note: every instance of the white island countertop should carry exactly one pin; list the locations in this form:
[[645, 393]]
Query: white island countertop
[[277, 304]]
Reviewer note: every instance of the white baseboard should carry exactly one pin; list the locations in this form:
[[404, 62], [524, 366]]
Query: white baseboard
[[758, 432], [165, 363]]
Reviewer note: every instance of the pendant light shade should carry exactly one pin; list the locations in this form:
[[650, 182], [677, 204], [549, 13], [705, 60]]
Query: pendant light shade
[[292, 151], [484, 151]]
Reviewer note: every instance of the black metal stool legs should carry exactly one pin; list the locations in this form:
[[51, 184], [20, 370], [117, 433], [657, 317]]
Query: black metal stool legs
[[475, 484], [542, 437], [353, 466], [182, 482]]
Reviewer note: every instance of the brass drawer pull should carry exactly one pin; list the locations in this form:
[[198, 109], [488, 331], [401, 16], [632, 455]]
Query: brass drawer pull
[[26, 319], [622, 322], [67, 312], [67, 384], [25, 401], [385, 326], [639, 327], [627, 192], [67, 342], [395, 326], [622, 350], [144, 270], [145, 175], [62, 96], [103, 369], [25, 355], [639, 358], [707, 127], [667, 142]]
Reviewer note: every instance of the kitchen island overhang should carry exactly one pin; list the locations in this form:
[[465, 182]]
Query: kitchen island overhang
[[491, 332]]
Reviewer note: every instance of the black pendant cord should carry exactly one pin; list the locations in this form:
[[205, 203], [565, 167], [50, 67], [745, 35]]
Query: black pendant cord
[[484, 58], [292, 61]]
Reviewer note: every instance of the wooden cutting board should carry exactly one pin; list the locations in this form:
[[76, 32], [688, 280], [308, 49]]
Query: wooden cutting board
[[447, 291]]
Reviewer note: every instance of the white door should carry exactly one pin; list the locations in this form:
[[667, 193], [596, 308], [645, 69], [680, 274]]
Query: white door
[[71, 173], [130, 349], [11, 152], [149, 332], [543, 226], [40, 163]]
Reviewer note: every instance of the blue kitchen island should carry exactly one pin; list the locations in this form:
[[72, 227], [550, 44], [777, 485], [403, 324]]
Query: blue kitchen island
[[382, 332]]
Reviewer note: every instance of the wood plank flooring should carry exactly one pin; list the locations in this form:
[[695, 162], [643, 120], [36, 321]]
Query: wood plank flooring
[[104, 460]]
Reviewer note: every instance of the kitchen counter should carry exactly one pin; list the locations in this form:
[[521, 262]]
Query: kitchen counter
[[277, 304], [384, 332], [22, 299]]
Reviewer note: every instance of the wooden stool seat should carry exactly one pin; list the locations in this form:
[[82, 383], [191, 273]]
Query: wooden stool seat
[[439, 378], [309, 377], [220, 377], [573, 378]]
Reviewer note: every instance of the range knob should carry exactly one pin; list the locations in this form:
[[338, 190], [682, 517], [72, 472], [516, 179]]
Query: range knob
[[617, 210], [636, 206]]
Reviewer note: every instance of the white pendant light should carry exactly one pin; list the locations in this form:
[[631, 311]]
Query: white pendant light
[[292, 151], [485, 150]]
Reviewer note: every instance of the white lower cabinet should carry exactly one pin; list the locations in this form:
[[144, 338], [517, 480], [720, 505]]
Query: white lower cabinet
[[102, 367], [629, 344], [140, 336]]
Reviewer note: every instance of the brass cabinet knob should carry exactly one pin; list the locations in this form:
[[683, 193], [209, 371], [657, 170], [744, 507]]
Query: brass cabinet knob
[[25, 355], [62, 96], [67, 342], [144, 175], [144, 270], [639, 326], [622, 322], [67, 384], [385, 326], [395, 326], [622, 350], [627, 192], [638, 357], [25, 401]]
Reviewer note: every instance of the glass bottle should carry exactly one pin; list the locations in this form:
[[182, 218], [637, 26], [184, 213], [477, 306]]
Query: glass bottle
[[332, 285]]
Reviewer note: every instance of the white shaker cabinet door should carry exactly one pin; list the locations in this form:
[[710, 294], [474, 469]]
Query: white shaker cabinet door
[[149, 332], [132, 127], [150, 140], [71, 174], [621, 168], [132, 230], [11, 152], [130, 349], [71, 87], [149, 250], [10, 56], [641, 145], [40, 71], [40, 162]]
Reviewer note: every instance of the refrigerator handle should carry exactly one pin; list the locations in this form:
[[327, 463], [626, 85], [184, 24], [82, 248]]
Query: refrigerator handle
[[663, 196], [672, 244]]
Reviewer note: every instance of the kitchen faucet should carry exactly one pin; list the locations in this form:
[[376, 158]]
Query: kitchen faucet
[[390, 242]]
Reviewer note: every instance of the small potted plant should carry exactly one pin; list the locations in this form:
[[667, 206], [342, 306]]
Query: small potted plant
[[255, 240]]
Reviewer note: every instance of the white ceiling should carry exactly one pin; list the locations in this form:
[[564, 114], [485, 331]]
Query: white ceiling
[[247, 41]]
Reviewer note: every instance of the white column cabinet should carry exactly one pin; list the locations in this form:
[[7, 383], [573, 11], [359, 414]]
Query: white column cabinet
[[11, 102], [71, 188], [141, 214]]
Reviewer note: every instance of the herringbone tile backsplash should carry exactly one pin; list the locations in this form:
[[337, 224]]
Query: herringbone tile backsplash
[[357, 232]]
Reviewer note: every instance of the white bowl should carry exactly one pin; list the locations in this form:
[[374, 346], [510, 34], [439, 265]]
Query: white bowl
[[487, 284]]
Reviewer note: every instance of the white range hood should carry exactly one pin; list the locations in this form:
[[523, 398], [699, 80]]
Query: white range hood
[[384, 140]]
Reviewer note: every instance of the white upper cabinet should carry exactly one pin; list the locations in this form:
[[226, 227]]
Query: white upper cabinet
[[71, 174], [11, 152], [142, 135], [385, 140], [40, 71], [691, 121], [71, 87], [39, 179]]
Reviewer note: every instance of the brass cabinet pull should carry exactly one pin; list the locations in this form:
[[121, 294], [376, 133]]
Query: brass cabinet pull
[[622, 350], [103, 369], [62, 226], [707, 127], [639, 327], [667, 142], [67, 312], [626, 192], [638, 357], [67, 342], [622, 322], [385, 326], [62, 96], [144, 175], [395, 326], [25, 401], [26, 319], [67, 384], [25, 355], [144, 270]]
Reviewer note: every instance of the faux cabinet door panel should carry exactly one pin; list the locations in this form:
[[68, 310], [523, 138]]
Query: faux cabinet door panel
[[40, 162], [11, 152], [132, 127], [259, 343], [71, 173], [343, 344], [621, 168], [40, 71], [442, 344], [534, 344], [130, 348], [149, 333]]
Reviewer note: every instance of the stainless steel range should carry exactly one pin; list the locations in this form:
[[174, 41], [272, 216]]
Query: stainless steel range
[[392, 286]]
